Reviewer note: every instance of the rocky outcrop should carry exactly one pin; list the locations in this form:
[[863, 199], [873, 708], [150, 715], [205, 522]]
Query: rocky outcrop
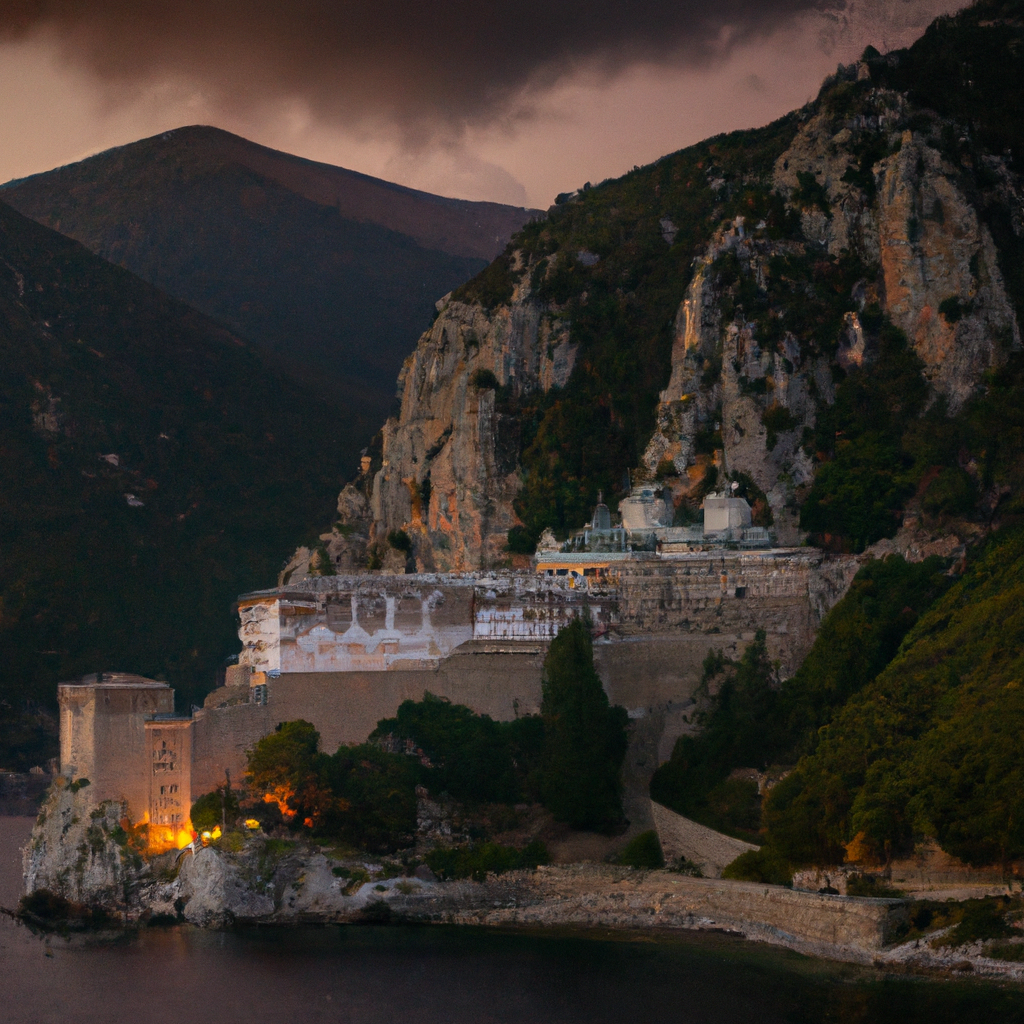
[[214, 892], [920, 228], [450, 467], [82, 852]]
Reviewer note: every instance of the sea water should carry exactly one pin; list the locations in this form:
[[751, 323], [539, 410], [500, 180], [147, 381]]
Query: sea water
[[426, 974]]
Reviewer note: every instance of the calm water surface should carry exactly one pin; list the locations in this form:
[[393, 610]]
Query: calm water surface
[[366, 975]]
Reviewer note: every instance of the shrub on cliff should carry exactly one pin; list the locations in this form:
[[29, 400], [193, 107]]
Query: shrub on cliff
[[763, 865], [470, 754], [477, 861], [584, 737], [377, 790]]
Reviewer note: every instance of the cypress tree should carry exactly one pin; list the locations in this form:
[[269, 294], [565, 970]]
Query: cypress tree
[[584, 738]]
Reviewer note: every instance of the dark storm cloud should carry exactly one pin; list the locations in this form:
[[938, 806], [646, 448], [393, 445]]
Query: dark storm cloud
[[417, 62]]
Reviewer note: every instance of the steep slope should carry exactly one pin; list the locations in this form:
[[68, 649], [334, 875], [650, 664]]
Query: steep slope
[[930, 747], [812, 310], [334, 273], [148, 459]]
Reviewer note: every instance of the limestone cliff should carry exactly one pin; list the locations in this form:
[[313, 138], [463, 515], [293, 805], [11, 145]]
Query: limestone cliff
[[80, 851], [866, 211], [449, 470]]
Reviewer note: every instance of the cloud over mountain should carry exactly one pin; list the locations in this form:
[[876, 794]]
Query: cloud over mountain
[[450, 64]]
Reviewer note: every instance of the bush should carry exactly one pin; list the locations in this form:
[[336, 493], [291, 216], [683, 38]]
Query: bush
[[643, 851], [484, 380], [870, 885], [213, 808], [980, 920], [522, 541], [400, 541], [952, 309], [694, 781], [953, 492], [763, 865], [477, 862], [584, 738], [777, 419], [361, 795], [471, 754]]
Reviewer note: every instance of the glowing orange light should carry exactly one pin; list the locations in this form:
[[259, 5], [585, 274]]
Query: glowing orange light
[[251, 823], [308, 822], [280, 796]]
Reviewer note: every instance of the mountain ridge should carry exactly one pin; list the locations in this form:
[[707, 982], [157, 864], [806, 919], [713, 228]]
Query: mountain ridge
[[332, 273]]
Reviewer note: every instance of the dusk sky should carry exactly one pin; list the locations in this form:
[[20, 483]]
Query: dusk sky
[[510, 102]]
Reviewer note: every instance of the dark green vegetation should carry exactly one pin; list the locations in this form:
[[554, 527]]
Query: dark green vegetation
[[749, 721], [365, 795], [217, 808], [569, 758], [472, 757], [643, 851], [331, 273], [477, 861], [929, 747], [95, 363], [362, 795], [584, 737], [860, 490], [903, 722]]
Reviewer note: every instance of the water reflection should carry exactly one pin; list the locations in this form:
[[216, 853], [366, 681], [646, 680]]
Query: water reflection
[[365, 975]]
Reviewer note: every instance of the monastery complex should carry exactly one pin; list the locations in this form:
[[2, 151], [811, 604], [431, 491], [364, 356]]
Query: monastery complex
[[343, 652]]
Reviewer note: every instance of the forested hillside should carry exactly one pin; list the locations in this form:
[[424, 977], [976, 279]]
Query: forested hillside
[[331, 273], [149, 463]]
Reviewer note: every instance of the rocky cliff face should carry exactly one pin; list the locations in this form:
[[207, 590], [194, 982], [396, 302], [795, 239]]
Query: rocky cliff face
[[449, 470], [876, 222], [80, 851]]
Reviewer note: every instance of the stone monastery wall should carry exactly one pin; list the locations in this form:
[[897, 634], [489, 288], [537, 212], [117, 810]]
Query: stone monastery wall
[[344, 652]]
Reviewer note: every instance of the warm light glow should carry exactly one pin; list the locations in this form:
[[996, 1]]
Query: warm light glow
[[161, 838], [216, 833], [251, 823], [280, 796]]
